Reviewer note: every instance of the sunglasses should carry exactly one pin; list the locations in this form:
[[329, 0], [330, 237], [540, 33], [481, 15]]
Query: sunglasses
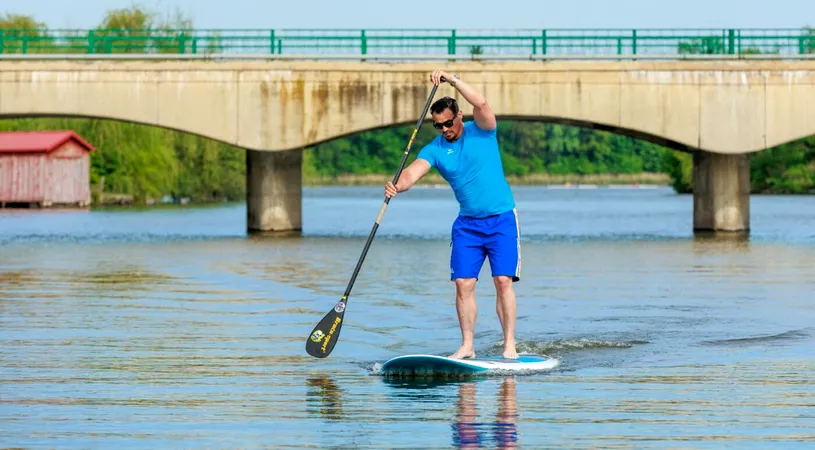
[[447, 124]]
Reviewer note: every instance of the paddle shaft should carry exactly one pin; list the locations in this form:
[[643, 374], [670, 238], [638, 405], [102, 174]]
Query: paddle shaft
[[325, 334], [387, 199]]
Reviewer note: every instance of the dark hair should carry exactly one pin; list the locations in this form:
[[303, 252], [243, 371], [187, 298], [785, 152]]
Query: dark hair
[[444, 103]]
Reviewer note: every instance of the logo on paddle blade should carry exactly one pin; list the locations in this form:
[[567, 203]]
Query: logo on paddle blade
[[340, 307], [334, 325], [317, 336]]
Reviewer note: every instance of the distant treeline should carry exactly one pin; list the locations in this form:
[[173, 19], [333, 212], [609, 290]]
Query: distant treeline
[[527, 148], [150, 162]]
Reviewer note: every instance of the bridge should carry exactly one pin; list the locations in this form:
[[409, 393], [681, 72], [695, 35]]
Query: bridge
[[733, 95]]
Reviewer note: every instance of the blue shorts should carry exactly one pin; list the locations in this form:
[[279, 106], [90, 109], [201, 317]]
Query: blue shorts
[[495, 237]]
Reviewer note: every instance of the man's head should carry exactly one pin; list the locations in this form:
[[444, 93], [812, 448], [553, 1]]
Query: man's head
[[447, 118]]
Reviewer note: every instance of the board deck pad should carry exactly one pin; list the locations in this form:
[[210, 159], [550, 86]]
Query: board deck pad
[[434, 365]]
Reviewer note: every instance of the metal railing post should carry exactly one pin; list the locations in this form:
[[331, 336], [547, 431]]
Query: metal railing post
[[543, 42]]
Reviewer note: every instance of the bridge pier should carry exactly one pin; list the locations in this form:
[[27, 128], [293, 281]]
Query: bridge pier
[[274, 191], [721, 192]]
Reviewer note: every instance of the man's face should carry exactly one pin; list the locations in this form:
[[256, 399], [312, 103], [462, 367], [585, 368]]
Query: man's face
[[449, 124]]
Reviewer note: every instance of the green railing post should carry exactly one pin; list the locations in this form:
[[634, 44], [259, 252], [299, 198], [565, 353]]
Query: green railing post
[[363, 42], [534, 45], [731, 41], [738, 42], [182, 43], [619, 45], [451, 43], [2, 42], [544, 44], [91, 43], [195, 46], [271, 41], [25, 44], [633, 42]]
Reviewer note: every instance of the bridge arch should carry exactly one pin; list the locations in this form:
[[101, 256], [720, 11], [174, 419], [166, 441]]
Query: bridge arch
[[632, 133], [125, 120], [276, 108], [728, 107]]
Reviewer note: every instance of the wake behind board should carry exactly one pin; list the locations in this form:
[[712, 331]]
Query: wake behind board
[[432, 365]]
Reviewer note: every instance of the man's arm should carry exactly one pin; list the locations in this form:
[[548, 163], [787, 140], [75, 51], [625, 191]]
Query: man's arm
[[482, 113], [409, 176]]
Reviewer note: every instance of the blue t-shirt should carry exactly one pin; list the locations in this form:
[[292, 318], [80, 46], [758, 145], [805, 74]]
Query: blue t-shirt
[[472, 165]]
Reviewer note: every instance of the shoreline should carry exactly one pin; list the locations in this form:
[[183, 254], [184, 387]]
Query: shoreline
[[537, 179], [643, 180]]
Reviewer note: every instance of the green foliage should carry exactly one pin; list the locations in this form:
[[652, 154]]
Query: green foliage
[[527, 148], [679, 166], [710, 45], [788, 168], [20, 25], [125, 30], [136, 30], [146, 161], [714, 45], [22, 34]]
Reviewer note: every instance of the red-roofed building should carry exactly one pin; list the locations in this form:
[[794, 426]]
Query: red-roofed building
[[44, 168]]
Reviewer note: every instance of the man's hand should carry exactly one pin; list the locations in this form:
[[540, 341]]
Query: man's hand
[[482, 113], [412, 173], [437, 75], [390, 190]]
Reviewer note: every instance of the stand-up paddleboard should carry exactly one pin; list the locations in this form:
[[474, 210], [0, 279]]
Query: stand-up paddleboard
[[432, 365]]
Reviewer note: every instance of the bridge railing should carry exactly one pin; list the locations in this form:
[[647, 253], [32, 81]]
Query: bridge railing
[[430, 42]]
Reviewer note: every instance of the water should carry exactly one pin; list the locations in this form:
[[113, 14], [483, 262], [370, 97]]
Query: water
[[173, 328]]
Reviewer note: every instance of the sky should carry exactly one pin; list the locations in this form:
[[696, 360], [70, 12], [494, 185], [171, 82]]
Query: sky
[[447, 14]]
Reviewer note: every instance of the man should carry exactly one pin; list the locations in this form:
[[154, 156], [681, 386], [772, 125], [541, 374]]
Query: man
[[466, 155]]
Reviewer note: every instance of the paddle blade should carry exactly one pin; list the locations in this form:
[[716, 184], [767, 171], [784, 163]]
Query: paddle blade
[[324, 336]]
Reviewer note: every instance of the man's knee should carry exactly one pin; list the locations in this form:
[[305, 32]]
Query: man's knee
[[503, 283], [465, 284]]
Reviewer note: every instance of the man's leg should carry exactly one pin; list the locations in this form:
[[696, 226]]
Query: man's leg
[[504, 251], [467, 310], [505, 304], [466, 259]]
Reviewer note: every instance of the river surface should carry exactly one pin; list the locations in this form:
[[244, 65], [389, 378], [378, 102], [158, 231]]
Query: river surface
[[173, 328]]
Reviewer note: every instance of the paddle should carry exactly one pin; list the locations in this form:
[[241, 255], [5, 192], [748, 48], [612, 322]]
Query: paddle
[[324, 336]]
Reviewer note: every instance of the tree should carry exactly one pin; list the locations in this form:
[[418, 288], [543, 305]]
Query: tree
[[23, 34], [137, 30], [680, 168]]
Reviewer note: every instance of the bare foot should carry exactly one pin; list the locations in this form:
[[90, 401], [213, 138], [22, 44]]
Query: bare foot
[[464, 352], [509, 351]]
